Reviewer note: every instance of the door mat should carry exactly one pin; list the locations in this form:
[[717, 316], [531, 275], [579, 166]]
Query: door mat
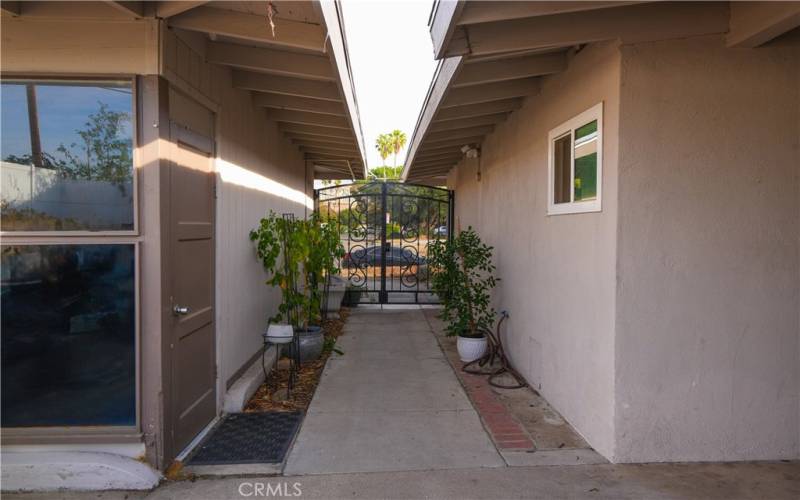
[[249, 438]]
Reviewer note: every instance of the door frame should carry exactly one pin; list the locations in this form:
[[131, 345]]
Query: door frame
[[169, 417]]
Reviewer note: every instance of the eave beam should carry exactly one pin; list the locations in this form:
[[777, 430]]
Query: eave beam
[[429, 146], [294, 103], [491, 92], [133, 9], [254, 27], [477, 73], [755, 23], [631, 24], [171, 8], [276, 62], [487, 12], [285, 85], [306, 118], [454, 134], [11, 8], [481, 109], [320, 139], [292, 128], [467, 122]]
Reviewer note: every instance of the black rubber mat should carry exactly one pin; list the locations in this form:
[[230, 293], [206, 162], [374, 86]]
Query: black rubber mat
[[249, 438]]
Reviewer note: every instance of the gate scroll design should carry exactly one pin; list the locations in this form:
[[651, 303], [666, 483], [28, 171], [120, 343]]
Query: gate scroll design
[[386, 229]]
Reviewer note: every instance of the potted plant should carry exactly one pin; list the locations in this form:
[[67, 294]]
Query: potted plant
[[461, 272], [297, 254]]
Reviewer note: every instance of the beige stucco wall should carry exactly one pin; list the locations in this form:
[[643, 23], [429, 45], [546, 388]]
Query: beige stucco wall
[[258, 170], [557, 272], [709, 278]]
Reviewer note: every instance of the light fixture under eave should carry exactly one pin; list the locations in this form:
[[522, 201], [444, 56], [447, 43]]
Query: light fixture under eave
[[470, 151]]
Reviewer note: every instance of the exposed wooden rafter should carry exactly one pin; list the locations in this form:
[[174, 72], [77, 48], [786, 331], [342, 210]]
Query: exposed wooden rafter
[[288, 33], [450, 143], [11, 8], [755, 23], [133, 9], [277, 62], [304, 117], [167, 9], [321, 139], [285, 85], [491, 92], [631, 24], [481, 109], [477, 73], [487, 12], [317, 131], [467, 122], [295, 103], [448, 135]]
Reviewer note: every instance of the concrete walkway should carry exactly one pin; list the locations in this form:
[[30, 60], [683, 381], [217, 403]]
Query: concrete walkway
[[757, 481], [390, 403]]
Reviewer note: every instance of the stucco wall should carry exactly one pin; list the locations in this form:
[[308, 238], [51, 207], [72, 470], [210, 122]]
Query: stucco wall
[[709, 218], [557, 272], [257, 170]]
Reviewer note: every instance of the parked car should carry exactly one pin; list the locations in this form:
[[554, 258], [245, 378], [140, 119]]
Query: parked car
[[372, 256], [440, 231]]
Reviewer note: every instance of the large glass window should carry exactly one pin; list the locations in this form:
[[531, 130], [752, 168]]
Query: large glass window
[[576, 164], [67, 156], [68, 335]]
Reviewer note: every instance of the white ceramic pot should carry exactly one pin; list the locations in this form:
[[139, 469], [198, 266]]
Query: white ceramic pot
[[279, 334], [470, 349]]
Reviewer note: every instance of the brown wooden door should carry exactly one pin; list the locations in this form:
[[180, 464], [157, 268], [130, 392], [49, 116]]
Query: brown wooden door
[[191, 268]]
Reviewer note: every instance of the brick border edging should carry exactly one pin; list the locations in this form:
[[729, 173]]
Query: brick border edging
[[506, 432]]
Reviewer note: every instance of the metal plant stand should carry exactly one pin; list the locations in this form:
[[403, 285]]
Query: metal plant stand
[[495, 360]]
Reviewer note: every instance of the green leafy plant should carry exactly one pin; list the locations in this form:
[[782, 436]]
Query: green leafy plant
[[461, 272], [330, 346], [311, 252]]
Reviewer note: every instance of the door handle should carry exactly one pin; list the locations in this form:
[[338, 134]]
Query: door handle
[[180, 310]]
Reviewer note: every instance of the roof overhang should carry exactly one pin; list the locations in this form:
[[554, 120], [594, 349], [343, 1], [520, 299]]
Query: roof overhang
[[299, 72], [494, 53], [301, 75]]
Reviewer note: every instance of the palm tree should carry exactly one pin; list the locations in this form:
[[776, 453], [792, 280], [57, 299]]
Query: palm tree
[[398, 141], [384, 146]]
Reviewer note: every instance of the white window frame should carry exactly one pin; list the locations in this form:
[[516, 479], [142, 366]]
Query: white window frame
[[568, 128]]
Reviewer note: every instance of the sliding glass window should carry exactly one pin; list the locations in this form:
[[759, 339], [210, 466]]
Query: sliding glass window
[[69, 264]]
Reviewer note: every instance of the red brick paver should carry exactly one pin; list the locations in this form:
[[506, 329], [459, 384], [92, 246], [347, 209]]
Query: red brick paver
[[505, 431]]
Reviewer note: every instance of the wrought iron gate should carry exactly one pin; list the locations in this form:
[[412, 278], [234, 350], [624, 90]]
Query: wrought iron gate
[[386, 228]]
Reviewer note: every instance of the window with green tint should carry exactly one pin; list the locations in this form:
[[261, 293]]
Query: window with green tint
[[586, 177], [575, 156], [586, 130], [585, 183]]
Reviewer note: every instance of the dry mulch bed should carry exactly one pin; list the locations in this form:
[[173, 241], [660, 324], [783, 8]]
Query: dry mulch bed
[[307, 377]]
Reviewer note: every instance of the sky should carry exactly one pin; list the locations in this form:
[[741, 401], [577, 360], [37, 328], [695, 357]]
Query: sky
[[62, 109], [391, 57]]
